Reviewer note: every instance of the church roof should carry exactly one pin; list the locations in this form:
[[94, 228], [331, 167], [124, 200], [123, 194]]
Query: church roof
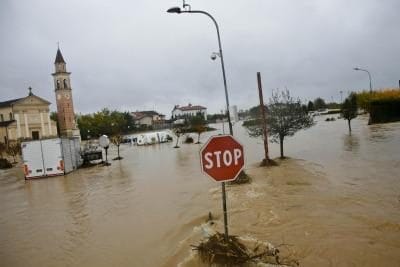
[[59, 57], [9, 103], [15, 101]]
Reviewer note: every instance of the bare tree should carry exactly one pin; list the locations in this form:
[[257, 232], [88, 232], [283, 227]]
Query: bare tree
[[349, 109], [285, 117]]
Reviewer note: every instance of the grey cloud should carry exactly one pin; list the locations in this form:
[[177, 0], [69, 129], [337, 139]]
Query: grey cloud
[[133, 55]]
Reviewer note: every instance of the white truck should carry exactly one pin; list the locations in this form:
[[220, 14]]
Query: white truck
[[50, 157], [42, 158]]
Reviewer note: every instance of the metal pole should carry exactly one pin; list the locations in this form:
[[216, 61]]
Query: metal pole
[[222, 63], [227, 109], [223, 122], [225, 210], [106, 155], [264, 118], [370, 81], [369, 75]]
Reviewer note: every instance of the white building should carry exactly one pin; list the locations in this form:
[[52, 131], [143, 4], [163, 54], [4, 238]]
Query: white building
[[26, 118], [148, 118], [188, 111]]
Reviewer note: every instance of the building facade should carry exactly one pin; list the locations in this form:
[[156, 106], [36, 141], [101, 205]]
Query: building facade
[[148, 118], [26, 118], [188, 111], [65, 105]]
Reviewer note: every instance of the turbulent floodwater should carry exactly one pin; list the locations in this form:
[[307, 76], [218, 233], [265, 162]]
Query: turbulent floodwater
[[336, 202]]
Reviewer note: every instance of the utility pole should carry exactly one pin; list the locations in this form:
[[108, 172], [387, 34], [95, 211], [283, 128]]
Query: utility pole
[[264, 120]]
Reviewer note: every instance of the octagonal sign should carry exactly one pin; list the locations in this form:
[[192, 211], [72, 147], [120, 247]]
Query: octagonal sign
[[222, 158]]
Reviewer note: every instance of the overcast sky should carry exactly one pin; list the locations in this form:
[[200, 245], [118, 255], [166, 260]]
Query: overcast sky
[[132, 55]]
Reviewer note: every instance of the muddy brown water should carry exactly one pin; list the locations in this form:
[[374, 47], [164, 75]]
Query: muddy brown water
[[336, 202]]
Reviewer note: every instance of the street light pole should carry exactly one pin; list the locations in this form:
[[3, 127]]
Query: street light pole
[[220, 54], [177, 10], [369, 75]]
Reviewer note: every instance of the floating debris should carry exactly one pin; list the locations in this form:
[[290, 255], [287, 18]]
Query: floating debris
[[232, 252], [242, 178]]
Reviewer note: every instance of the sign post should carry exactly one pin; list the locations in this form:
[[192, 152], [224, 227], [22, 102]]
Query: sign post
[[105, 143], [222, 159]]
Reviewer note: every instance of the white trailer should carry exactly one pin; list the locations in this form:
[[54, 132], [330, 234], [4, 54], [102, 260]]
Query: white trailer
[[152, 138], [71, 152], [42, 158]]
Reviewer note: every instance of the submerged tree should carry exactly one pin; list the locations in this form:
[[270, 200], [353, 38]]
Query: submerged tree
[[285, 117], [349, 108], [179, 128], [14, 149], [198, 125], [117, 140]]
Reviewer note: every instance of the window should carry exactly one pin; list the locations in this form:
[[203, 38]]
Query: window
[[65, 83], [1, 117], [58, 84], [11, 116]]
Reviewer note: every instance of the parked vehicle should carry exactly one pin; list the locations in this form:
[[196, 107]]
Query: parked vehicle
[[50, 157], [42, 158]]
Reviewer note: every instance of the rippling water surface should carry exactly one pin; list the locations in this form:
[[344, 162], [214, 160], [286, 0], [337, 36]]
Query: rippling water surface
[[337, 201]]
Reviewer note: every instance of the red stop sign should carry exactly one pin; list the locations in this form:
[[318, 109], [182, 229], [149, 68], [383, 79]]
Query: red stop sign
[[222, 158]]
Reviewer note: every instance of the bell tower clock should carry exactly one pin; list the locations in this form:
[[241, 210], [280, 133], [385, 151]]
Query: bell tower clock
[[65, 106]]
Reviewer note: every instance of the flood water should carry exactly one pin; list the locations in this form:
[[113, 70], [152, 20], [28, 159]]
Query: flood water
[[335, 202]]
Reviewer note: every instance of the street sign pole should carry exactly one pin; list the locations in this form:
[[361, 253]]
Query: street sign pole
[[225, 211], [222, 158]]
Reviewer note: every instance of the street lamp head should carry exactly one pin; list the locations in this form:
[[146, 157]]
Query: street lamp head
[[174, 10], [356, 68], [214, 55]]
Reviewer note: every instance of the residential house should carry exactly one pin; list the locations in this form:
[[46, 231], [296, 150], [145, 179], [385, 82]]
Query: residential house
[[26, 118], [188, 111], [149, 118]]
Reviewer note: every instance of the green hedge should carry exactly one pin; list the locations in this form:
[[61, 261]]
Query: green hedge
[[384, 110]]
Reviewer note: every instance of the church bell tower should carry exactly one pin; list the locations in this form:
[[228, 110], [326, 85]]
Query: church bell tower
[[65, 106]]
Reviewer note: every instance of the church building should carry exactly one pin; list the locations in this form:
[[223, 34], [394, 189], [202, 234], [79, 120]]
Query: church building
[[65, 106], [26, 118]]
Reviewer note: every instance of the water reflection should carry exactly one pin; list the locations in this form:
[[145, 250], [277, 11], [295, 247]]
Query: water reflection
[[156, 197], [379, 132], [351, 142], [79, 227]]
